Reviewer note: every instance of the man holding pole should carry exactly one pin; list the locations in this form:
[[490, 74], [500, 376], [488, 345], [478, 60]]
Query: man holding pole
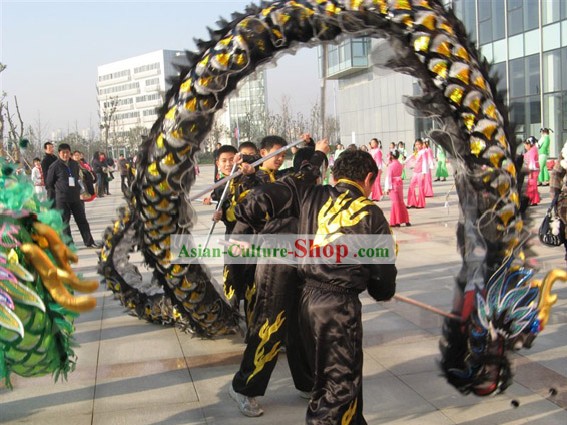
[[329, 308], [275, 306]]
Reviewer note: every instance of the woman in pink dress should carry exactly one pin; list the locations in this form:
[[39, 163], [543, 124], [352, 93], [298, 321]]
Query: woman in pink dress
[[394, 187], [429, 164], [416, 191], [531, 162], [376, 152]]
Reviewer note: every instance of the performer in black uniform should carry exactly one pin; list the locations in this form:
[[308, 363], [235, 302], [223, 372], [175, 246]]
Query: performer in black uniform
[[274, 318], [239, 283], [330, 310]]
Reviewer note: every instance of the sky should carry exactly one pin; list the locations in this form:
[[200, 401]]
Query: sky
[[52, 50]]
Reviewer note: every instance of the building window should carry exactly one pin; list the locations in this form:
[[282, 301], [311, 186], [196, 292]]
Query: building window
[[499, 72], [114, 75], [148, 67], [524, 76], [532, 74], [551, 11], [552, 71], [466, 11], [551, 37], [491, 21], [516, 46], [119, 102], [523, 15], [532, 41], [122, 87], [517, 78], [148, 97], [126, 115], [552, 107], [534, 122], [152, 81], [149, 112]]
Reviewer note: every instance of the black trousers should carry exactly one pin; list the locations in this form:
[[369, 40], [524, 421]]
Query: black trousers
[[77, 209], [124, 183], [331, 328], [274, 320], [100, 182]]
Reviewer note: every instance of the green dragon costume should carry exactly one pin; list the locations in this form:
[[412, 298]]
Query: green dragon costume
[[37, 308]]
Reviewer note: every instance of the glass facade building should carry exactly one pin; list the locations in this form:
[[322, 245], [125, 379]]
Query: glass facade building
[[247, 109], [526, 42]]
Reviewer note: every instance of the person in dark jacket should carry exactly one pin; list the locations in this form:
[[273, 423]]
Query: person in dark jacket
[[63, 180], [329, 308], [277, 296], [47, 160], [97, 165]]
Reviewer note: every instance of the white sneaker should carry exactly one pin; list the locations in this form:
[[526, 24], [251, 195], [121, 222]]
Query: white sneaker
[[305, 395], [248, 406]]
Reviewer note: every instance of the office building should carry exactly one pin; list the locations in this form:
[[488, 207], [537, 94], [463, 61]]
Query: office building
[[526, 40], [131, 90]]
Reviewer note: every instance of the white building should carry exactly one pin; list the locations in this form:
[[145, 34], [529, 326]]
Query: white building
[[369, 97], [130, 90]]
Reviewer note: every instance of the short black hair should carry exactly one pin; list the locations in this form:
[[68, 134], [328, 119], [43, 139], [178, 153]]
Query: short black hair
[[36, 159], [226, 149], [46, 144], [248, 145], [354, 165], [64, 146], [269, 142]]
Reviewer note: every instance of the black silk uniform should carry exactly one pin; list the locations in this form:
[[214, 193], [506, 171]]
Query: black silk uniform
[[235, 276], [274, 315], [238, 279], [329, 306]]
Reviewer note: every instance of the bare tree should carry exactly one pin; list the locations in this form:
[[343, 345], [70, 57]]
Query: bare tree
[[106, 120], [333, 129], [15, 130], [134, 137], [2, 103], [39, 130], [287, 119], [218, 132], [315, 121]]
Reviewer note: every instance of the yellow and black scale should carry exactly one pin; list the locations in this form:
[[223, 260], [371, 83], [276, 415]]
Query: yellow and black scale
[[428, 41]]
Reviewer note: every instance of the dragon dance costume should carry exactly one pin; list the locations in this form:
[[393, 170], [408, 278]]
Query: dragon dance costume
[[274, 319], [427, 42], [329, 309]]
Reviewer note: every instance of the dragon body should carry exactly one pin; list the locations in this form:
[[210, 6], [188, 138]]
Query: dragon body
[[427, 42]]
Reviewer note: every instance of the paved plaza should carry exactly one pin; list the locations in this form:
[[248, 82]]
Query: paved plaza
[[133, 372]]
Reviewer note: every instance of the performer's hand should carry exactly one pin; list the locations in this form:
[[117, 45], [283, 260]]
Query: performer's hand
[[207, 200], [217, 215], [247, 169], [238, 246], [237, 158], [323, 146]]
